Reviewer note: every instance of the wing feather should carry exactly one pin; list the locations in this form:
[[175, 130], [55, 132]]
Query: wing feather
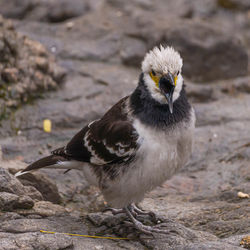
[[112, 139]]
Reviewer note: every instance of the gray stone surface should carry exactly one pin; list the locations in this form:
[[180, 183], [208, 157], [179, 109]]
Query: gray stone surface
[[44, 185], [9, 202], [101, 51], [213, 55], [45, 10]]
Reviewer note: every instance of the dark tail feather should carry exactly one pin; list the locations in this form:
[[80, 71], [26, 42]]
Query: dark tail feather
[[49, 161]]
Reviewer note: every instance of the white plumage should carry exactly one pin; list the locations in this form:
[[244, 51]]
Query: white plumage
[[159, 157]]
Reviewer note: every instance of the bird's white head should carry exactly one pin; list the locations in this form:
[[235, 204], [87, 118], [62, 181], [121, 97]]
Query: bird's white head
[[162, 74]]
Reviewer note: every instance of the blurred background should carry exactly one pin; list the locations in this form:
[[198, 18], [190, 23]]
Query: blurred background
[[70, 60]]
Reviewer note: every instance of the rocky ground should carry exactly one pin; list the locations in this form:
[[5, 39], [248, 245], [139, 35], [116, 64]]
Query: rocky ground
[[27, 69], [99, 45]]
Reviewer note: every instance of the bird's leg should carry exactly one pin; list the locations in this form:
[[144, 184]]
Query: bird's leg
[[141, 227], [132, 210]]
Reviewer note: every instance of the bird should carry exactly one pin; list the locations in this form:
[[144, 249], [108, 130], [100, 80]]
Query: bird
[[139, 143]]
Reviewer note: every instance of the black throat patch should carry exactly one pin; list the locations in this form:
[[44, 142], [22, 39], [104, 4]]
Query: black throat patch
[[155, 114]]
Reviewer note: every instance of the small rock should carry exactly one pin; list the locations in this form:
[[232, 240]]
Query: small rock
[[33, 193], [98, 219], [43, 184], [25, 202], [245, 242], [42, 63], [242, 195], [10, 202], [9, 183], [10, 75], [70, 25], [36, 47], [45, 209]]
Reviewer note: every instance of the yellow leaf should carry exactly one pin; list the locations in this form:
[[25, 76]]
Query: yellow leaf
[[47, 125]]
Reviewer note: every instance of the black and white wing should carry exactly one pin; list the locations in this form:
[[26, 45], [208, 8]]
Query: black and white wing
[[112, 139]]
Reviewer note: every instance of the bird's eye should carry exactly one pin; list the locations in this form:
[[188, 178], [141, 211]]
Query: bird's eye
[[153, 72]]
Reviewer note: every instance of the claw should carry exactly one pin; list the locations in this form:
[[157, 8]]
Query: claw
[[141, 212], [141, 227], [132, 211]]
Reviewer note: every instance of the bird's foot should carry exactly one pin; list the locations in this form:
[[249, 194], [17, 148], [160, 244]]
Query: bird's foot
[[138, 211], [146, 229], [134, 210], [116, 211], [141, 227]]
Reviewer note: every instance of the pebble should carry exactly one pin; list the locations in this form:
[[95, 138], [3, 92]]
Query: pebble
[[70, 25], [242, 195]]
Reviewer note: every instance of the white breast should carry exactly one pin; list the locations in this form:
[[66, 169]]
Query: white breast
[[160, 156]]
